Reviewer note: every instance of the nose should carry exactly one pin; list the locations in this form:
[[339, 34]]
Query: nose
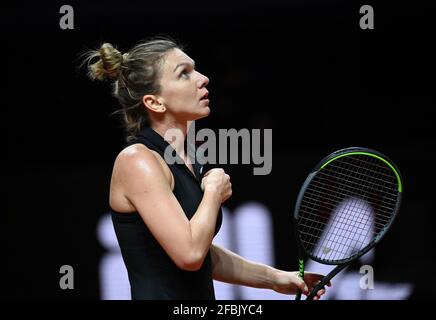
[[203, 80]]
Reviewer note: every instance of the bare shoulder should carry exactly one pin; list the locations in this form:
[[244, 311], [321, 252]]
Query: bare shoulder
[[138, 159], [137, 169], [135, 157]]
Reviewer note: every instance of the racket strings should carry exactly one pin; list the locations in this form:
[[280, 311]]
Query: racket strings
[[385, 168], [316, 197], [359, 224], [384, 206], [339, 240], [337, 237], [347, 233], [359, 182], [347, 204], [334, 234], [330, 203], [349, 170], [332, 182]]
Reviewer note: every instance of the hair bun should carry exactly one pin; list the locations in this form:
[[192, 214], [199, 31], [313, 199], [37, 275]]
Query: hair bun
[[108, 66]]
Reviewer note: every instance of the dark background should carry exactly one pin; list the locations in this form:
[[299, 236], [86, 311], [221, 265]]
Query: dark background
[[303, 68]]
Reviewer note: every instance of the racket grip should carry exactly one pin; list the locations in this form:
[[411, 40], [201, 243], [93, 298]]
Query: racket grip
[[301, 275]]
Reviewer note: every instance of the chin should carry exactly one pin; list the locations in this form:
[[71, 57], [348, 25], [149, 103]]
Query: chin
[[207, 111], [204, 113]]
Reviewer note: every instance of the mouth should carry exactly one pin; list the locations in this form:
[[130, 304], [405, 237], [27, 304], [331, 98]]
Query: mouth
[[204, 97]]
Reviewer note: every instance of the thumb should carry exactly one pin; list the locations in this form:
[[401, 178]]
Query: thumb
[[302, 286]]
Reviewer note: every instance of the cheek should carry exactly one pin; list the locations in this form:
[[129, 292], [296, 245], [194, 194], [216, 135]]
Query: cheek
[[180, 92], [177, 100]]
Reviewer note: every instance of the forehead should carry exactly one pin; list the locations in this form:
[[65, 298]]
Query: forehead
[[176, 57]]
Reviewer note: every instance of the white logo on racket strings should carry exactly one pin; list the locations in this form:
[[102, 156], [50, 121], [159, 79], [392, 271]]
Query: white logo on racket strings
[[326, 250], [207, 153]]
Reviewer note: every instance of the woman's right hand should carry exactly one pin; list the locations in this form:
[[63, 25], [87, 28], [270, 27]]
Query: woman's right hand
[[217, 181]]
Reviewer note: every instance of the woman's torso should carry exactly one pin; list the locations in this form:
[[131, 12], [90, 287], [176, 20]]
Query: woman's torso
[[152, 274]]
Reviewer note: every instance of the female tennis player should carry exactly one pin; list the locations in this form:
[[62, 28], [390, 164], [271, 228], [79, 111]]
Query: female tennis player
[[166, 215]]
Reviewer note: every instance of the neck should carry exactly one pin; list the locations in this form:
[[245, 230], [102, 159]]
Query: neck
[[175, 132]]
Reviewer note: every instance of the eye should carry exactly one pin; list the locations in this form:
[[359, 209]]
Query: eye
[[185, 73]]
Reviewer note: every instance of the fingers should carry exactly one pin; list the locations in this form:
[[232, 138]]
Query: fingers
[[319, 294], [312, 280], [315, 278], [302, 286], [313, 275]]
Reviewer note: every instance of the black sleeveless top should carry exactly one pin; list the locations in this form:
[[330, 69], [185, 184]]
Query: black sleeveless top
[[152, 273]]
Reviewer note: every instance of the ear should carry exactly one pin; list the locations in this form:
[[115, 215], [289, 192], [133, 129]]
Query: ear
[[153, 103]]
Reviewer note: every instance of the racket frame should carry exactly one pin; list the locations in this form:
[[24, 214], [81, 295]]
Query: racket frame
[[340, 264]]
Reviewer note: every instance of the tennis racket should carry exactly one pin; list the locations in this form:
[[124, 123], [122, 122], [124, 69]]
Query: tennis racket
[[345, 207]]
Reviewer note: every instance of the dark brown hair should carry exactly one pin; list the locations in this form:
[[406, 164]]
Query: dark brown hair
[[136, 73]]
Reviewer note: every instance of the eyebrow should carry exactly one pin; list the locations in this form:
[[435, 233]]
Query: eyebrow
[[185, 63]]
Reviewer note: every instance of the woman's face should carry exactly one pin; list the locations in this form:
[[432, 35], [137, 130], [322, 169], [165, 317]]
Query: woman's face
[[183, 89]]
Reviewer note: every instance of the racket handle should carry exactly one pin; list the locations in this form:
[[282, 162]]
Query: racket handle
[[298, 296], [301, 275], [325, 280]]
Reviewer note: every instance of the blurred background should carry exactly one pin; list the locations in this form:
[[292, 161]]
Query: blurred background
[[304, 69]]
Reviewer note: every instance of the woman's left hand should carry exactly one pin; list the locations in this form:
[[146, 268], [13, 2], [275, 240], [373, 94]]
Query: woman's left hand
[[288, 283]]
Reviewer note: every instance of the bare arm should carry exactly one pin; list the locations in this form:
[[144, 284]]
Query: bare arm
[[229, 267], [144, 183]]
